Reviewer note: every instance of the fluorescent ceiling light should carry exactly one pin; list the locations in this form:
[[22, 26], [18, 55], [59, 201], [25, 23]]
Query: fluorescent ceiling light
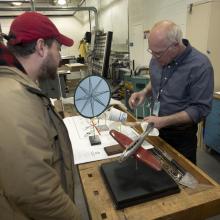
[[61, 2], [16, 3]]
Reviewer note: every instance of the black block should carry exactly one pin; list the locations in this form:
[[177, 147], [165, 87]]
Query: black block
[[129, 186]]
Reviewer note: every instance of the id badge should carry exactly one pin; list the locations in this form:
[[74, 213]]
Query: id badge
[[156, 108]]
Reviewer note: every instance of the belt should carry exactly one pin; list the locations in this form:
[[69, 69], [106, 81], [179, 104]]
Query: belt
[[182, 127]]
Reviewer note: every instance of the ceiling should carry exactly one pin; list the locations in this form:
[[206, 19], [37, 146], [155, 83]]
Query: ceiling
[[45, 3], [8, 9]]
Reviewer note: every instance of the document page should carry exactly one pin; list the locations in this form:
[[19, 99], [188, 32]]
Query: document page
[[80, 129]]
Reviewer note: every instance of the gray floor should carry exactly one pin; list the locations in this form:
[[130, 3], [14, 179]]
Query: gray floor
[[79, 198], [210, 163]]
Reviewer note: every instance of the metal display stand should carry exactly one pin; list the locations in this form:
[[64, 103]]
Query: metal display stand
[[91, 98]]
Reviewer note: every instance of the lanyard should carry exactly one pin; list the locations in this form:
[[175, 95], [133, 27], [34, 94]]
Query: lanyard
[[155, 105], [162, 85]]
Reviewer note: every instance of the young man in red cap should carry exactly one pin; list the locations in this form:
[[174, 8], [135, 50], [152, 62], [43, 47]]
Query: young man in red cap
[[36, 159]]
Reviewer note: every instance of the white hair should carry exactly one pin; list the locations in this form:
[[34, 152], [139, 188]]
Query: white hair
[[173, 31], [174, 34]]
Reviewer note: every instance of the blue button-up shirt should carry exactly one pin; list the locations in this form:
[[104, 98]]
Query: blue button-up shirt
[[186, 84]]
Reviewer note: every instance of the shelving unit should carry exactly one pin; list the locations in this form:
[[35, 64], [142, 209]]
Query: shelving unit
[[101, 53]]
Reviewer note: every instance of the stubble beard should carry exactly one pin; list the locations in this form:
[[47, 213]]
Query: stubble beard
[[48, 69]]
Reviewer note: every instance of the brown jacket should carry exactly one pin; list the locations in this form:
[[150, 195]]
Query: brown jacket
[[36, 161]]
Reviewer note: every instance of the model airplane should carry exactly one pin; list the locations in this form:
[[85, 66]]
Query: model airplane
[[135, 148]]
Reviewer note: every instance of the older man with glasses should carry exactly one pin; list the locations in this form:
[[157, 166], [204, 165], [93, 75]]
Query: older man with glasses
[[181, 88]]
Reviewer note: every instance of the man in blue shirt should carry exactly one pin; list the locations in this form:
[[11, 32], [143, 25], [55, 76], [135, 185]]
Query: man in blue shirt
[[181, 87]]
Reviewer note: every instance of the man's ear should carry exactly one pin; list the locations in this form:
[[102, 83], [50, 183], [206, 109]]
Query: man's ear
[[40, 47]]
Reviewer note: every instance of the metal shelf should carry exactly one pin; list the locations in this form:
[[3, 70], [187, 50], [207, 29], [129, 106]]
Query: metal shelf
[[101, 53]]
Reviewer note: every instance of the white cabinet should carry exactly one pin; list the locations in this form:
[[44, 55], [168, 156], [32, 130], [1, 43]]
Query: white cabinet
[[203, 32]]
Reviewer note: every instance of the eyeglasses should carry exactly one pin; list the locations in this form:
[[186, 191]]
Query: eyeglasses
[[158, 55]]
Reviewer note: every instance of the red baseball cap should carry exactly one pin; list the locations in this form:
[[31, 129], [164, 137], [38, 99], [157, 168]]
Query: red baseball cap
[[31, 26]]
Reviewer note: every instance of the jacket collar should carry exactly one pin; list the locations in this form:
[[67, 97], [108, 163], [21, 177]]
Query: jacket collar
[[16, 74], [11, 67]]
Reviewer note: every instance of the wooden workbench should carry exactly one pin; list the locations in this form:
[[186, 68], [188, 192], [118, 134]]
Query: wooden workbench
[[189, 204], [199, 203]]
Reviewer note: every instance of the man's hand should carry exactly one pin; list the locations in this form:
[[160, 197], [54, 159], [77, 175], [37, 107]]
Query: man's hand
[[159, 122], [137, 98], [174, 119]]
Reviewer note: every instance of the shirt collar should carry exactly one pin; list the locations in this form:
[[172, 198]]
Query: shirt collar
[[179, 59]]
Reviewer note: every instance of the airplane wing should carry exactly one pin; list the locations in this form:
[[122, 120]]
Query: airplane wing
[[141, 154]]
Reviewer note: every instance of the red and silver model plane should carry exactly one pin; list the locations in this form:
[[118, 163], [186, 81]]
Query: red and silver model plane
[[134, 148]]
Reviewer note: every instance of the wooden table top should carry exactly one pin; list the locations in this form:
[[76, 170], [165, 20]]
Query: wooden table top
[[190, 204]]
